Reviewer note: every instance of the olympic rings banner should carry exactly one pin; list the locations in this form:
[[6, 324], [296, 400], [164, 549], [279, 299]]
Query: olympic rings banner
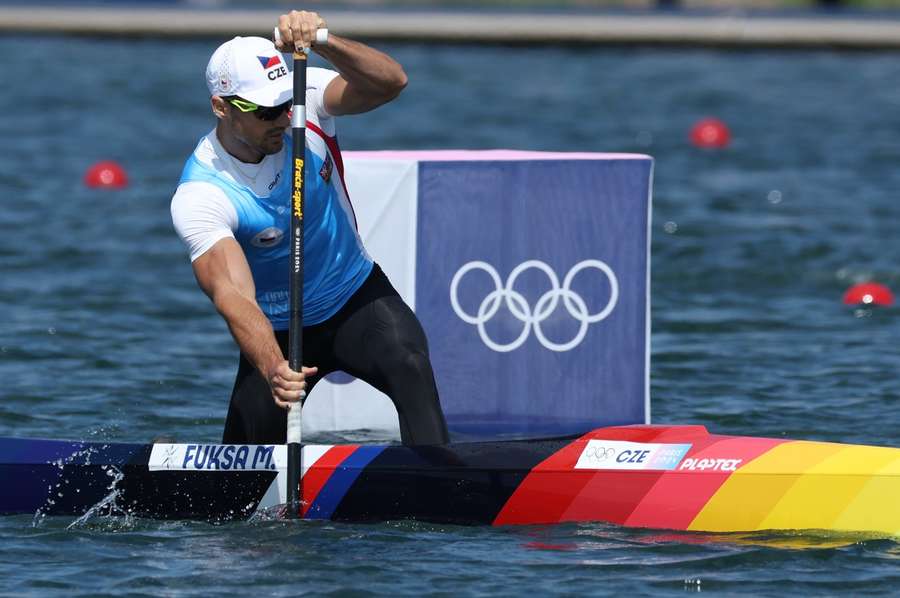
[[529, 273]]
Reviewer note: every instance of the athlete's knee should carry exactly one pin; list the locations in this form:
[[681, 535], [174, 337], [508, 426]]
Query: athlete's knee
[[413, 391], [403, 362]]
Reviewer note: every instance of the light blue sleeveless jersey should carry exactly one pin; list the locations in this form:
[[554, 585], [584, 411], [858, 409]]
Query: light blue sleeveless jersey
[[335, 263]]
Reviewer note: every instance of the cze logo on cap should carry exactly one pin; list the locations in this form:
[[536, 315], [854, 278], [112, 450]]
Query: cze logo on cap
[[270, 62]]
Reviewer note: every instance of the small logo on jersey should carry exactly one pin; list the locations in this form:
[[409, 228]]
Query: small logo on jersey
[[275, 182], [325, 171], [268, 237]]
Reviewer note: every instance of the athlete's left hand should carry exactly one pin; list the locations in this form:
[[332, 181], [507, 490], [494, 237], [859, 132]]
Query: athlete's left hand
[[288, 386], [298, 30]]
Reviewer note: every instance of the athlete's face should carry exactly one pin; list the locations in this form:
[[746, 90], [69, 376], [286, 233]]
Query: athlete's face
[[261, 136], [266, 136]]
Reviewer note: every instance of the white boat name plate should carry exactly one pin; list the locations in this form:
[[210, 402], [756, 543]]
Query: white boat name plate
[[218, 457], [618, 454]]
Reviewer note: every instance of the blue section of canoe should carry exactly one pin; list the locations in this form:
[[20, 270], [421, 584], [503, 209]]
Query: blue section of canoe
[[39, 472]]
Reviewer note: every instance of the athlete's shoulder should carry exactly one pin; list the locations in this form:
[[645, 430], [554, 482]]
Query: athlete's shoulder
[[204, 149], [192, 197], [319, 78], [202, 214]]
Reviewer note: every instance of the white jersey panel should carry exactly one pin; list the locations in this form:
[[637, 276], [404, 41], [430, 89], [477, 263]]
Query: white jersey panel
[[203, 215], [317, 79]]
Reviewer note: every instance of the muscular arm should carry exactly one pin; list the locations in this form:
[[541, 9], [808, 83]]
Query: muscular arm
[[224, 275], [369, 78]]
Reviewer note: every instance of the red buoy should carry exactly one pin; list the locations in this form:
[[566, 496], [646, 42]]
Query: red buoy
[[869, 293], [106, 175], [710, 133]]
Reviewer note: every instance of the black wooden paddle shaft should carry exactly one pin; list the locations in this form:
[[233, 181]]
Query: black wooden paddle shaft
[[295, 330]]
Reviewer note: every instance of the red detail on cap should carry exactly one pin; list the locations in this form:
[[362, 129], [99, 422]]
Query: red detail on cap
[[869, 293], [710, 133], [106, 175]]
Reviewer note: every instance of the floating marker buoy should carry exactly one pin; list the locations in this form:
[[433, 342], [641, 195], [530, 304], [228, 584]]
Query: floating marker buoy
[[869, 293], [710, 133], [106, 175]]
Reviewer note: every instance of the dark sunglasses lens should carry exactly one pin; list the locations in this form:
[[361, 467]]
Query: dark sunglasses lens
[[272, 113]]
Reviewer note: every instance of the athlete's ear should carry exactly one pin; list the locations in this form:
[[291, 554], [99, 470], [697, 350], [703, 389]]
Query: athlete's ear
[[219, 106]]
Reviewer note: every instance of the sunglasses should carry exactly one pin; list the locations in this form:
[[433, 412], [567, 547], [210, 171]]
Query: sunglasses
[[267, 113]]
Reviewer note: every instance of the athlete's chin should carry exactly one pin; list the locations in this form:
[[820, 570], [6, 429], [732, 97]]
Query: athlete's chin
[[272, 144]]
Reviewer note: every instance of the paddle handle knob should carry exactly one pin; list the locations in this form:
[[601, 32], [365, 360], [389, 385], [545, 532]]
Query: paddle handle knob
[[321, 36]]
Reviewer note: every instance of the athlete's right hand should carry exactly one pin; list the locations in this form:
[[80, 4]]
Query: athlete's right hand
[[287, 385], [297, 30]]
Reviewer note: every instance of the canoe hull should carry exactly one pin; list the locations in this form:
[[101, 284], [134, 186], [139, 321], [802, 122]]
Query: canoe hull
[[665, 477]]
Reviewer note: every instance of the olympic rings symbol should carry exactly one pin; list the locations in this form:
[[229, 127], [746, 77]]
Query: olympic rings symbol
[[599, 453], [532, 318]]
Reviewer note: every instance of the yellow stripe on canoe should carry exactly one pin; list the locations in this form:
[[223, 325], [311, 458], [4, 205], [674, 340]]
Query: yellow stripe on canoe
[[810, 485]]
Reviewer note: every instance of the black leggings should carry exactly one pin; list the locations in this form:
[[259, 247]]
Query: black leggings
[[375, 337]]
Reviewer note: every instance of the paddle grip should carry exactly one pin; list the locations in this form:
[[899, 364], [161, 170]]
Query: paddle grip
[[321, 37]]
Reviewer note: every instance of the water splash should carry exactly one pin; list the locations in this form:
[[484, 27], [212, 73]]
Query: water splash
[[107, 507], [57, 491]]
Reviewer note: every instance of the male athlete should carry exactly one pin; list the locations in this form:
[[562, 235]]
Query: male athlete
[[232, 209]]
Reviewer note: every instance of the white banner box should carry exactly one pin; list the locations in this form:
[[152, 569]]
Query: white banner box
[[530, 274]]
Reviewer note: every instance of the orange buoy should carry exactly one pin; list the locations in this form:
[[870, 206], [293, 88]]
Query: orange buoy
[[710, 133], [869, 293], [106, 175]]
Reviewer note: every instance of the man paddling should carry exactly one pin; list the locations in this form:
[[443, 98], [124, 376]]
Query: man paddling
[[232, 209]]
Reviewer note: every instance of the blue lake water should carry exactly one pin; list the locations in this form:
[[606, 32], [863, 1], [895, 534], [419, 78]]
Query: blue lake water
[[104, 335]]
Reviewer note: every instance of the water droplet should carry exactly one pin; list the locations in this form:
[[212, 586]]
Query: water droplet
[[51, 330], [774, 196], [670, 227]]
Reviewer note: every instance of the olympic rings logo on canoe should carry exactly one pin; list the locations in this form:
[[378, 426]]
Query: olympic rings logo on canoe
[[532, 318], [598, 453]]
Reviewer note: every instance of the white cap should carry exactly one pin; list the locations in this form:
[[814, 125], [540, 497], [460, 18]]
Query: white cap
[[252, 68]]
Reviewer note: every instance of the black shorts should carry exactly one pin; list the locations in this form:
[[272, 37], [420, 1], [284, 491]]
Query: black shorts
[[375, 337]]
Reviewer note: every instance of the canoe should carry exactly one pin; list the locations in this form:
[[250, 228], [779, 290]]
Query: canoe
[[648, 476]]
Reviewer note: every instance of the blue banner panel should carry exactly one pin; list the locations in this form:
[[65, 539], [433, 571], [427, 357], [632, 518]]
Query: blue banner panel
[[531, 283]]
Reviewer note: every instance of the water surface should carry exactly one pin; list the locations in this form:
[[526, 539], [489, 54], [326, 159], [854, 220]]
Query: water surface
[[104, 335]]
